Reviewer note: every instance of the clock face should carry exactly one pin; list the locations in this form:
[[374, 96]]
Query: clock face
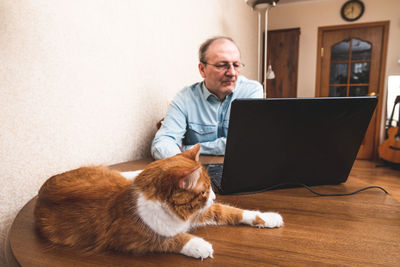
[[352, 10]]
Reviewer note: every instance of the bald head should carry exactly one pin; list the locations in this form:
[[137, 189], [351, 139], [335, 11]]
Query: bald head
[[206, 45]]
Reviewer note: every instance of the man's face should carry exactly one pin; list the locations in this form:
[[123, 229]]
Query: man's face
[[219, 80]]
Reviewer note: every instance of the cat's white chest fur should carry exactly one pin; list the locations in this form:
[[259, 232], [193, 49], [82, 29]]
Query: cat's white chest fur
[[160, 218]]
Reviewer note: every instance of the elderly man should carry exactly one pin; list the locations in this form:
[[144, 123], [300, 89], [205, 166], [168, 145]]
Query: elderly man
[[200, 113]]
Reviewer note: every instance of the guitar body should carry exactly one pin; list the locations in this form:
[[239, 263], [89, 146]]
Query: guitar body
[[389, 150]]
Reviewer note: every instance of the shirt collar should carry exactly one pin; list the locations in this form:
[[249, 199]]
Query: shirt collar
[[207, 94]]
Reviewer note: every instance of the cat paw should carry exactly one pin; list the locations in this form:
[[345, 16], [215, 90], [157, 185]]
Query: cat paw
[[198, 248], [262, 219]]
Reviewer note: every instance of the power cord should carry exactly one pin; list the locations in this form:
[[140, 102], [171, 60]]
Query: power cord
[[285, 185], [343, 194]]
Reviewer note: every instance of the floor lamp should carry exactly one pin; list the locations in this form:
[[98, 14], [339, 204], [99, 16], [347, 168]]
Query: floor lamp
[[262, 7]]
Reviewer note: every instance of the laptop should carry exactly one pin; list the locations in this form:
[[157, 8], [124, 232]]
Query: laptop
[[285, 142]]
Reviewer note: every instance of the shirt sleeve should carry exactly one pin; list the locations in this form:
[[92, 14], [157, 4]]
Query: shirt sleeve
[[257, 91], [216, 147], [168, 139]]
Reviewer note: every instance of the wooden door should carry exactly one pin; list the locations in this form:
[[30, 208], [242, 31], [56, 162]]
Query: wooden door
[[351, 62], [283, 54]]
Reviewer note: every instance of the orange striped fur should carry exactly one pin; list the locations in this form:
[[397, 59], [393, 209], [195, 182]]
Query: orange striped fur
[[97, 209]]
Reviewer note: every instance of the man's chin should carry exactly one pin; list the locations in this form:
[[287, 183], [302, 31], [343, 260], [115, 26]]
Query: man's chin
[[228, 89], [228, 86]]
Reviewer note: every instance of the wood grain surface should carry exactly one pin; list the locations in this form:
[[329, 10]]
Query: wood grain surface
[[357, 230]]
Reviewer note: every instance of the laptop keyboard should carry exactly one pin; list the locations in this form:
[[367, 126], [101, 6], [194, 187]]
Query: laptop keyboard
[[215, 173]]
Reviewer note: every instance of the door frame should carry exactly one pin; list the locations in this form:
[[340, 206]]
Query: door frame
[[381, 82]]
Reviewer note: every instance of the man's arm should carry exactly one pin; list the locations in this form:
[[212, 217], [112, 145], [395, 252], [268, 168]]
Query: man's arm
[[216, 147], [168, 139]]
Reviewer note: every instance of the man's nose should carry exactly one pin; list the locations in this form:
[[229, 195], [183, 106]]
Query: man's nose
[[231, 70]]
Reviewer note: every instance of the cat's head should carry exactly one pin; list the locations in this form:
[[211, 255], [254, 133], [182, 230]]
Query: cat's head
[[180, 182]]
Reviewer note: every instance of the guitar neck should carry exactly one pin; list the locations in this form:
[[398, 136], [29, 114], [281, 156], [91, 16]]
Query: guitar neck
[[396, 101]]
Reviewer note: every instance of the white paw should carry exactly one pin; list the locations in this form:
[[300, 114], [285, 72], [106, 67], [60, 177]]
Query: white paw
[[272, 219], [262, 219], [198, 248]]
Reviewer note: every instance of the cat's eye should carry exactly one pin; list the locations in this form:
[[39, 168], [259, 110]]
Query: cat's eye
[[203, 193]]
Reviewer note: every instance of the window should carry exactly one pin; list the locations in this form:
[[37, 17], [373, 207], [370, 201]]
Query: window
[[349, 68]]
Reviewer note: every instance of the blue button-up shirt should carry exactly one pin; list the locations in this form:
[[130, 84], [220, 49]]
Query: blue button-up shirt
[[197, 116]]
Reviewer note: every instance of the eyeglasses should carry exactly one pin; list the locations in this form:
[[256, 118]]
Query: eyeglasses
[[225, 66]]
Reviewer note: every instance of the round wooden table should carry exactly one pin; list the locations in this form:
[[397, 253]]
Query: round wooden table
[[358, 230]]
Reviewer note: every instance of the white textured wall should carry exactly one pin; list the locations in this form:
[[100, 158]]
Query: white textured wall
[[310, 15], [84, 82]]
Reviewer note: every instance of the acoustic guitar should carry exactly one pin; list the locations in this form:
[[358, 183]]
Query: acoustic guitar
[[389, 150]]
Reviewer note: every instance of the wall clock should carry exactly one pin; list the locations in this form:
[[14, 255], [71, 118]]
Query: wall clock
[[352, 10]]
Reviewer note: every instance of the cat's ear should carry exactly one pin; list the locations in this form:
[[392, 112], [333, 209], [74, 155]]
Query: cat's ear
[[192, 153], [189, 181]]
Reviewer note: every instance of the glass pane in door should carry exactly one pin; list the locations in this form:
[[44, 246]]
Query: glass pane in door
[[359, 72], [337, 91], [360, 50], [340, 51], [358, 91], [338, 74]]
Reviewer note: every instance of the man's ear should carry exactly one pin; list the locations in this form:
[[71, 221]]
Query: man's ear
[[192, 153], [202, 69], [190, 181]]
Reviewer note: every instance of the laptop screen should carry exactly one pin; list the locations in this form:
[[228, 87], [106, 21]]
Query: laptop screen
[[313, 141]]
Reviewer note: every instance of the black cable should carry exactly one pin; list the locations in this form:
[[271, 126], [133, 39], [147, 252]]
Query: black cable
[[283, 185], [343, 194], [312, 191]]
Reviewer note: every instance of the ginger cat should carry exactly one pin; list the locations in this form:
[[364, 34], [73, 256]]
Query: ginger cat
[[97, 209]]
